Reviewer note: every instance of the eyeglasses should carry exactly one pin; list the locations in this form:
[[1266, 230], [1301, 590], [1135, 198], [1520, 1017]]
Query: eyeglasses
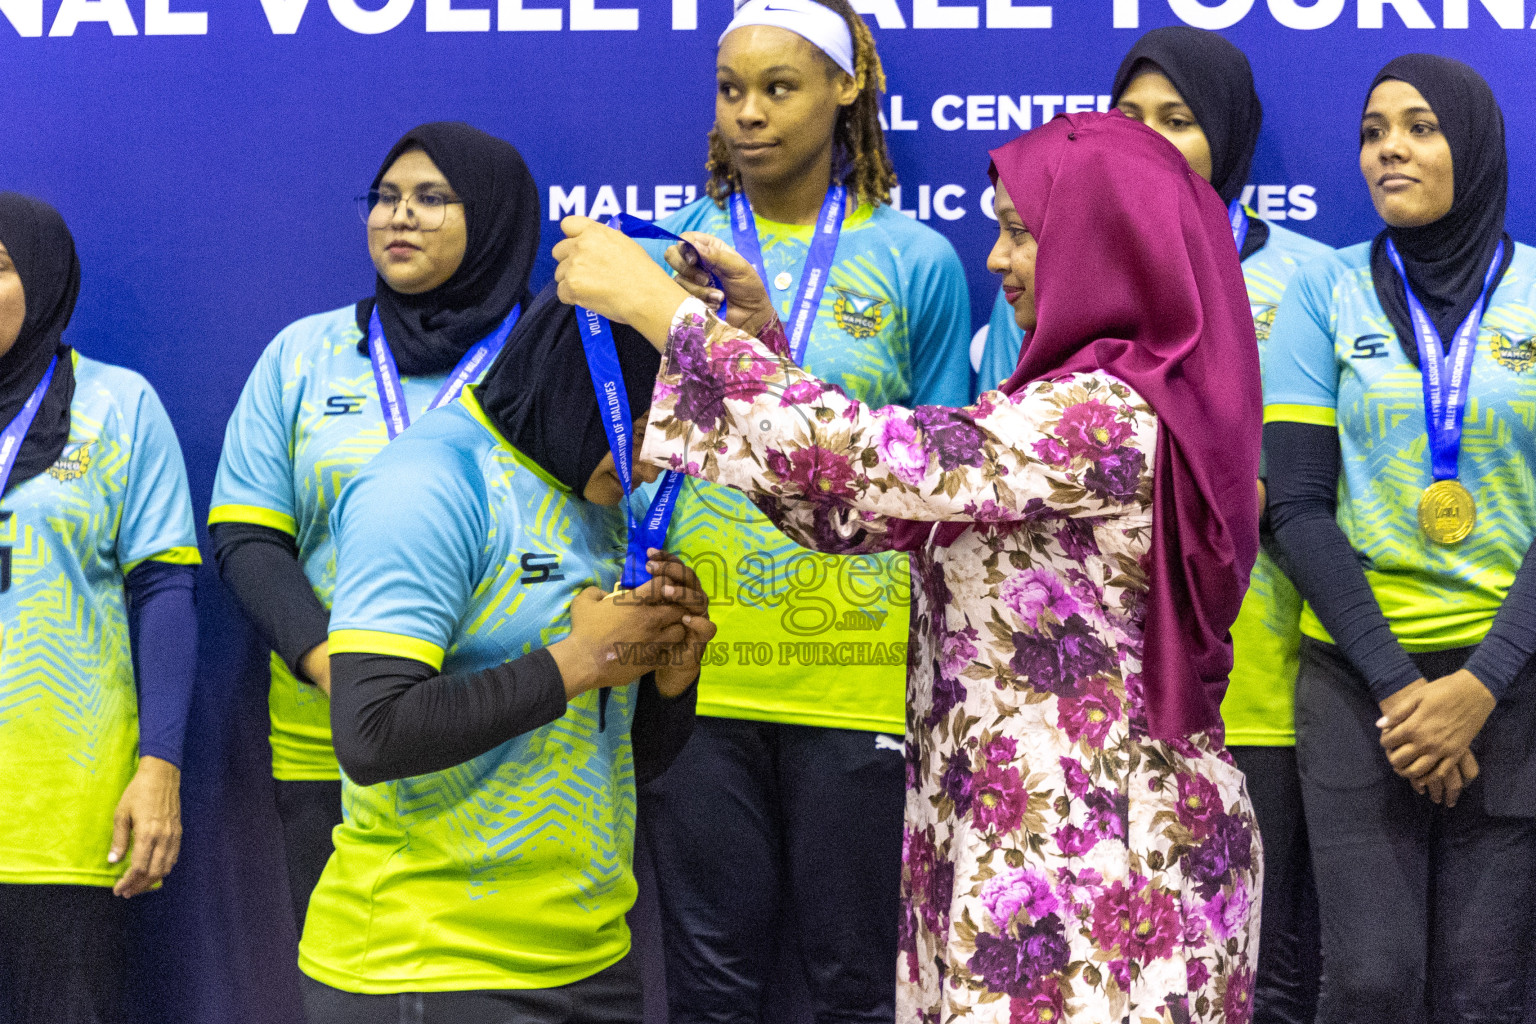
[[427, 209]]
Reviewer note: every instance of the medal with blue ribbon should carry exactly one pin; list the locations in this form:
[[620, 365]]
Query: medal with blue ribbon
[[16, 431], [1447, 512], [1239, 218], [613, 404], [818, 261], [387, 378]]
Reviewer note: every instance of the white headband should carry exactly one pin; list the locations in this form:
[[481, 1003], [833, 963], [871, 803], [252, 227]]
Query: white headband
[[820, 26]]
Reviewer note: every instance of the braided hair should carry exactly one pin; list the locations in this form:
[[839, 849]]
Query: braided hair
[[859, 157]]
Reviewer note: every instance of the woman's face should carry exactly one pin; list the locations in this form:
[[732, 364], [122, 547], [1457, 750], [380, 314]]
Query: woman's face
[[1152, 100], [1013, 256], [604, 486], [13, 303], [1405, 158], [411, 258], [776, 103]]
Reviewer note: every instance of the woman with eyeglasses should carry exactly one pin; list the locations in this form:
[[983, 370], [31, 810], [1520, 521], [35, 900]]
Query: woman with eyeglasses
[[453, 228]]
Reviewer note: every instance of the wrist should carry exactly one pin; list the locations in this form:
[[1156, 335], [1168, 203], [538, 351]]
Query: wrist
[[158, 766], [578, 667]]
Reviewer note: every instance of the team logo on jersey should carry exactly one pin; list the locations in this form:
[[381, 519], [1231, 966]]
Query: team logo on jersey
[[344, 405], [540, 568], [862, 316], [73, 464], [1514, 352], [1263, 319], [1370, 346]]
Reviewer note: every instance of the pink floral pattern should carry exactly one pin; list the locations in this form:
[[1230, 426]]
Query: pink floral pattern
[[1060, 867]]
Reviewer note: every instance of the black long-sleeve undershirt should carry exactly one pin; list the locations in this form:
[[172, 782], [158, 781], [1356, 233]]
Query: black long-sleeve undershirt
[[1302, 464], [393, 718], [261, 565]]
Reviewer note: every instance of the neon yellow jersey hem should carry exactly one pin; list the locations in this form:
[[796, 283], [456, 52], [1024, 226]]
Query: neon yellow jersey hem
[[395, 645], [291, 773], [254, 515], [1444, 641], [1316, 415], [453, 981], [170, 556], [54, 876], [1251, 738], [786, 716]]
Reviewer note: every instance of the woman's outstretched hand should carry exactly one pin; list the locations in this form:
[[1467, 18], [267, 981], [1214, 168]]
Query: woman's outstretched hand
[[610, 274], [748, 306]]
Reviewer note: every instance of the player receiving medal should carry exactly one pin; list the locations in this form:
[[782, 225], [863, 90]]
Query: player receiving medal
[[788, 799], [1400, 449], [453, 228], [481, 698]]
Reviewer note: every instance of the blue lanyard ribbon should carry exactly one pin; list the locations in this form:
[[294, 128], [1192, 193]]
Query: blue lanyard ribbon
[[16, 432], [1239, 224], [818, 261], [1447, 375], [397, 416], [613, 403]]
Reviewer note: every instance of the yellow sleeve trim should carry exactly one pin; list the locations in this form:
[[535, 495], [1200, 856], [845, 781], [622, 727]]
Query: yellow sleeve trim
[[170, 556], [255, 515], [1316, 415], [369, 641]]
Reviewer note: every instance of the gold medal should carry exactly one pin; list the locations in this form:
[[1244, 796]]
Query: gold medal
[[1447, 512]]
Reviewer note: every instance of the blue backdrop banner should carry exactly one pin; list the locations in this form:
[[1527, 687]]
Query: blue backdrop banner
[[206, 153]]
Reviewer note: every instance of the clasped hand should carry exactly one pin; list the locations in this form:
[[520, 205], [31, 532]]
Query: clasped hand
[[661, 626], [1427, 729]]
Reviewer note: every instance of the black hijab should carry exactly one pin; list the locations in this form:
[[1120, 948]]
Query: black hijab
[[1216, 81], [43, 251], [429, 333], [1447, 260], [539, 392]]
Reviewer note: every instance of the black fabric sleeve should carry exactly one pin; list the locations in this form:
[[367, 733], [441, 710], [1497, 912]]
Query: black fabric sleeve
[[392, 718], [162, 631], [1302, 461], [661, 728], [1511, 640], [261, 565]]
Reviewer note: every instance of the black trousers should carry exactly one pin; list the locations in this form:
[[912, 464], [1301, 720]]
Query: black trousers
[[61, 954], [309, 811], [1290, 962], [611, 996], [1427, 912], [755, 819]]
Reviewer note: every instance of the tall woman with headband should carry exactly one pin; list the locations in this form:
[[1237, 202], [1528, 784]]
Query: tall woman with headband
[[1401, 462], [788, 798], [453, 228]]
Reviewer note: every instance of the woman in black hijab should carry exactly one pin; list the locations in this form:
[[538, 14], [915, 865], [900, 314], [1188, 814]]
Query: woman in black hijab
[[469, 632], [98, 639], [453, 220], [1415, 706]]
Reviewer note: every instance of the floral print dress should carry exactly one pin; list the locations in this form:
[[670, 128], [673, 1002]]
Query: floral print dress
[[1059, 865]]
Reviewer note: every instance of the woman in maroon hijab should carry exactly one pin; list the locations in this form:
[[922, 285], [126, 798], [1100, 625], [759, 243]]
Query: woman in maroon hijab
[[1079, 846]]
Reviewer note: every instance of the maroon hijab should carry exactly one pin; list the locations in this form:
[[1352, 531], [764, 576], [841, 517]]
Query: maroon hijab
[[1137, 277]]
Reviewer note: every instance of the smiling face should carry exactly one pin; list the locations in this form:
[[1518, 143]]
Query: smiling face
[[13, 303], [1152, 100], [1013, 256], [604, 486], [777, 98], [411, 260], [1405, 158]]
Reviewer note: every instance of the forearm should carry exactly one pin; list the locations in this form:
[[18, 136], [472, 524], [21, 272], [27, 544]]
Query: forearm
[[1303, 471], [163, 635], [1505, 651], [394, 718], [261, 566], [661, 728]]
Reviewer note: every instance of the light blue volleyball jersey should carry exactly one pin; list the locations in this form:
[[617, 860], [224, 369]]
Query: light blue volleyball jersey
[[1336, 360], [512, 870], [69, 726], [308, 419], [893, 327]]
